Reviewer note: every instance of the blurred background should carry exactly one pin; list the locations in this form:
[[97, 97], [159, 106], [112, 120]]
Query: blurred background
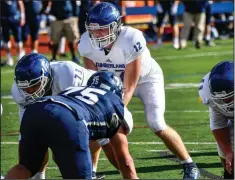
[[162, 21]]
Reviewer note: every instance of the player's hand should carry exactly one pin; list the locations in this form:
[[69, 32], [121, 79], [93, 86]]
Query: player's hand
[[159, 8], [229, 162]]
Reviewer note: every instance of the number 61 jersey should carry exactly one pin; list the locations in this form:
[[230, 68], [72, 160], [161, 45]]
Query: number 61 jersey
[[64, 73], [129, 45]]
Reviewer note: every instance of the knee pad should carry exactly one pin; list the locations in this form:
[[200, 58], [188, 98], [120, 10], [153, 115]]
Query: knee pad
[[155, 118]]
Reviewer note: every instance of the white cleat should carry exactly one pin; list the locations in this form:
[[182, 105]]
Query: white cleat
[[176, 46]]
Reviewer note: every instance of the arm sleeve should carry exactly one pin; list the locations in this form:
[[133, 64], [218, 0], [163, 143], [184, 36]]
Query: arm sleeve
[[84, 46]]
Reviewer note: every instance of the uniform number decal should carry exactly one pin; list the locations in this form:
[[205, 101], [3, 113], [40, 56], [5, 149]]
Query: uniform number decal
[[78, 77], [137, 46], [201, 84], [88, 95]]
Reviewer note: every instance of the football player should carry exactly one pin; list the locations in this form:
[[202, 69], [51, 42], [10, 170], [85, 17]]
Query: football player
[[109, 46], [217, 92], [66, 122], [35, 77]]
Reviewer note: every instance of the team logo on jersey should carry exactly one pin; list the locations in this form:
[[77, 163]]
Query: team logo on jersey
[[114, 121], [108, 60], [108, 65]]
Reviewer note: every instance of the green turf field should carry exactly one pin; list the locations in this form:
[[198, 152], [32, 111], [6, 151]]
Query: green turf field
[[183, 71]]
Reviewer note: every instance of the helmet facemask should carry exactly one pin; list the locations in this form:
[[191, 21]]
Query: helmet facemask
[[224, 101], [102, 42], [41, 85]]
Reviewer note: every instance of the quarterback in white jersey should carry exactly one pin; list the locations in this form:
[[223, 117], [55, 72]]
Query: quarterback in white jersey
[[217, 92], [109, 46], [35, 77]]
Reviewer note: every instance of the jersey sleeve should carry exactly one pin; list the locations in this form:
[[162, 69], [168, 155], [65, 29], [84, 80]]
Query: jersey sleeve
[[19, 100], [204, 92], [217, 119], [69, 74], [137, 45], [16, 95], [84, 46]]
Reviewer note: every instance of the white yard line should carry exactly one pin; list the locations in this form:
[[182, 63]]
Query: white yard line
[[188, 143], [166, 150], [184, 111], [194, 55], [137, 143]]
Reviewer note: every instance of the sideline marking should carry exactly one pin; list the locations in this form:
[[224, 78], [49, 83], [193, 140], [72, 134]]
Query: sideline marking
[[166, 150], [177, 57], [137, 143]]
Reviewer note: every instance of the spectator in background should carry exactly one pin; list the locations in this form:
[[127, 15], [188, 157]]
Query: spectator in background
[[84, 8], [12, 19], [32, 25], [167, 7], [208, 39], [65, 24], [49, 18], [194, 12]]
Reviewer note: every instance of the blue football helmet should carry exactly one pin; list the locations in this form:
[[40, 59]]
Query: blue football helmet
[[33, 72], [106, 80], [221, 84], [103, 16]]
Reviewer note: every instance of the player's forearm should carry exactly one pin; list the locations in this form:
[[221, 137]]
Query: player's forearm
[[108, 149], [131, 77], [127, 97], [223, 139], [128, 169]]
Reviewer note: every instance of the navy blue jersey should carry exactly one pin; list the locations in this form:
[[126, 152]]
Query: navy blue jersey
[[102, 110], [166, 5], [32, 7], [62, 9], [9, 8]]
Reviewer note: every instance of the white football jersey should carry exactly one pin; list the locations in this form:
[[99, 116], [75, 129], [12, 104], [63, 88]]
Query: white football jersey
[[65, 74], [218, 118], [128, 46]]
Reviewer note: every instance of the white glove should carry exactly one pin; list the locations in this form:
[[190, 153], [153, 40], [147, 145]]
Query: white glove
[[159, 8], [174, 9]]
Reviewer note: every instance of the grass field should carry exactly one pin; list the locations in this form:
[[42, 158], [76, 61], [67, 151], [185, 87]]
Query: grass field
[[183, 71]]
